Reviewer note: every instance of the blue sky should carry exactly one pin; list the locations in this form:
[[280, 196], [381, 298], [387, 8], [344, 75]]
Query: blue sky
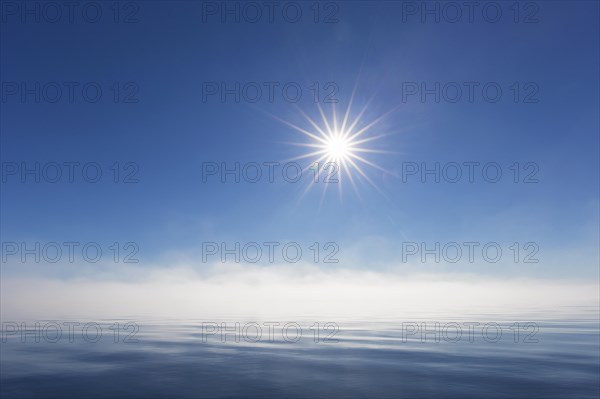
[[170, 53]]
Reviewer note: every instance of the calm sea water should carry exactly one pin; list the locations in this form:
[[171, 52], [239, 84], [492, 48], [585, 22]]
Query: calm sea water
[[555, 357]]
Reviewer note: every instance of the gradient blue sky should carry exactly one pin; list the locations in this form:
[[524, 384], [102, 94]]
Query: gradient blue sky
[[170, 132]]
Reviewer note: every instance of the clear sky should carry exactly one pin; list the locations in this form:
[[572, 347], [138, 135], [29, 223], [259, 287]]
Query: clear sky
[[169, 121]]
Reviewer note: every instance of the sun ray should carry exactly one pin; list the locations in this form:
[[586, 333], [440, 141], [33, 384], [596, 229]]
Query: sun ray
[[376, 121], [313, 123], [369, 163], [335, 127], [311, 145], [347, 114], [325, 121], [348, 131], [306, 132], [336, 151], [372, 151], [352, 182], [363, 174], [309, 155], [317, 162], [372, 138]]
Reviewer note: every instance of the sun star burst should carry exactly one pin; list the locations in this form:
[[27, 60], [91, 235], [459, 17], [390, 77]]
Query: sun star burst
[[339, 148]]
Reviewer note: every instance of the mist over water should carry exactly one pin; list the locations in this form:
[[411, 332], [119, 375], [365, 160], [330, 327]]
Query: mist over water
[[554, 354]]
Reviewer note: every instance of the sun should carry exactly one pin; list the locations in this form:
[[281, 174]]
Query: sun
[[340, 146]]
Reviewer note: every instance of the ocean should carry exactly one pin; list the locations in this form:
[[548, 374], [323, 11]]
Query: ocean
[[534, 355]]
